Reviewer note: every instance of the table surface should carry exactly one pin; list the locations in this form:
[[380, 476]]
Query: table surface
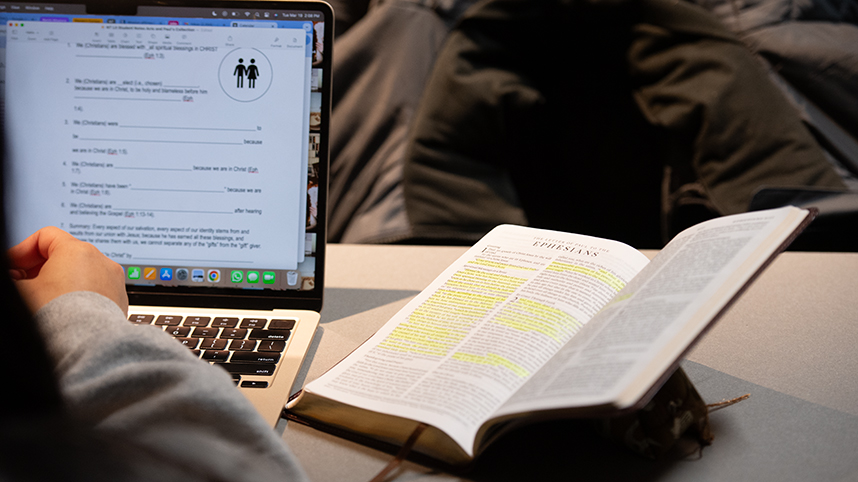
[[789, 342]]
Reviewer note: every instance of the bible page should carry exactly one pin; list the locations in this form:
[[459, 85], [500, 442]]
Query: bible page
[[465, 344], [618, 357]]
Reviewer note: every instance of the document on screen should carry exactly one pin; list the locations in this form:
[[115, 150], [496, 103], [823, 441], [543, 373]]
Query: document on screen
[[170, 144]]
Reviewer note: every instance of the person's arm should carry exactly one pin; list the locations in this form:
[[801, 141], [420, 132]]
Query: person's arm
[[134, 383]]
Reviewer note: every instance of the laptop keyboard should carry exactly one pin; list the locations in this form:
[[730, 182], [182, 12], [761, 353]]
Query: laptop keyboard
[[241, 346]]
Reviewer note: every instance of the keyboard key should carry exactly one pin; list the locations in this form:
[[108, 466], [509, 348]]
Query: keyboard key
[[225, 322], [215, 355], [242, 345], [213, 344], [253, 323], [272, 345], [169, 320], [189, 342], [282, 324], [179, 331], [206, 332], [255, 357], [141, 319], [269, 334], [254, 384], [263, 369], [197, 321], [233, 333]]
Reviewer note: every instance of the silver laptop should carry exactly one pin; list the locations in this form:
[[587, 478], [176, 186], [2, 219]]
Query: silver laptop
[[189, 144]]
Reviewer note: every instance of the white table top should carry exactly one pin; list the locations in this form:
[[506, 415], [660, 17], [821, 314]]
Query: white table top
[[790, 342]]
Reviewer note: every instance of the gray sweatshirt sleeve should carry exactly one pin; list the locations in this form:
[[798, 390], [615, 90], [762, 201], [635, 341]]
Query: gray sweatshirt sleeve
[[137, 384]]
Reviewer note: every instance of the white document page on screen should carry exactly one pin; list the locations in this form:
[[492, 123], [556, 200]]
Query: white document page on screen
[[174, 145]]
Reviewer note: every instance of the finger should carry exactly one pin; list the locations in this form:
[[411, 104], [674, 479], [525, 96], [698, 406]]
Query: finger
[[36, 249]]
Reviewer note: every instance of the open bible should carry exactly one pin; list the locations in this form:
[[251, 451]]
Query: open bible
[[531, 324]]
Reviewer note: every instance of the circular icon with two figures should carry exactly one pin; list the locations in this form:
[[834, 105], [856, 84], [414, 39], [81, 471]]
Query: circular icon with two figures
[[245, 74]]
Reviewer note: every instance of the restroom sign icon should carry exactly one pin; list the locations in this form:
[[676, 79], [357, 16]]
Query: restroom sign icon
[[245, 74]]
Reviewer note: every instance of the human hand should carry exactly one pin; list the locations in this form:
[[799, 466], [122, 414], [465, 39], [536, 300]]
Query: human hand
[[52, 262]]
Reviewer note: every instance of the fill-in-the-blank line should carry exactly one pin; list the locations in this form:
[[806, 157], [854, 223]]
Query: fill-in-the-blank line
[[128, 98], [108, 57], [153, 168], [173, 190], [163, 141], [191, 128], [170, 211]]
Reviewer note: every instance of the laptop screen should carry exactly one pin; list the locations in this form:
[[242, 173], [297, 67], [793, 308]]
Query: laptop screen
[[187, 143]]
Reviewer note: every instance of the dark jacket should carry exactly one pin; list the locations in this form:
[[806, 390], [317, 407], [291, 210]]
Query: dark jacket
[[626, 119]]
